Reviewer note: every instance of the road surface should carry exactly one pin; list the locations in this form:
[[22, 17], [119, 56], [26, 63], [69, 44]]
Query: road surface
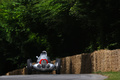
[[54, 77]]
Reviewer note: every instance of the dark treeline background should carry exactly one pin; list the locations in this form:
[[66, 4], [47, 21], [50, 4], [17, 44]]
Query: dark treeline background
[[61, 27]]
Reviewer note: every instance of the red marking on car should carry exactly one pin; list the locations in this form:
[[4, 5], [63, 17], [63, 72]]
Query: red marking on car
[[43, 59]]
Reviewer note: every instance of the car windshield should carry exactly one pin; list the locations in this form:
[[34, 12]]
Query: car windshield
[[44, 53]]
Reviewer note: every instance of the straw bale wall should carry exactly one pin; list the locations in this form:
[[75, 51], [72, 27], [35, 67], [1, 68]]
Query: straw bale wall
[[106, 60], [101, 60]]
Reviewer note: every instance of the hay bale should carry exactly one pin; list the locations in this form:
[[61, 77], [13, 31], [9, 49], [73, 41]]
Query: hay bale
[[73, 61], [92, 58], [7, 73], [76, 64], [94, 62], [53, 72], [119, 60], [11, 73], [115, 60], [68, 61], [24, 71], [88, 63], [63, 66]]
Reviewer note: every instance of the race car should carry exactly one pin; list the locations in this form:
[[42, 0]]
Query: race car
[[43, 64]]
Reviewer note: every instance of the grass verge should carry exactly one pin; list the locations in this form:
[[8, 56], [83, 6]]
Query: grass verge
[[111, 75]]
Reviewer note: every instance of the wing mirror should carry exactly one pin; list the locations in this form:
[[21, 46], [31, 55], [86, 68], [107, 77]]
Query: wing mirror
[[36, 56]]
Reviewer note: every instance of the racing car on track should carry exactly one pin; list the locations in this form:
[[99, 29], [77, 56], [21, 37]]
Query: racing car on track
[[43, 64]]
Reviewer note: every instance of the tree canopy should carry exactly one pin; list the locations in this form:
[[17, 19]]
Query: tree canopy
[[61, 27]]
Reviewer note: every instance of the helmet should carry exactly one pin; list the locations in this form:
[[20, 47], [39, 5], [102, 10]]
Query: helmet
[[44, 53]]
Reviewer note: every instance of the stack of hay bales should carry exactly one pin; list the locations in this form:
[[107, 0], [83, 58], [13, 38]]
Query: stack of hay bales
[[76, 64], [106, 60], [17, 72], [101, 60]]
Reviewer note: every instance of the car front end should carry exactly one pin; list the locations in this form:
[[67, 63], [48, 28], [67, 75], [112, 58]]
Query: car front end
[[44, 67]]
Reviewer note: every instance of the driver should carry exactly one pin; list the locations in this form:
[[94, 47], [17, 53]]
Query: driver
[[43, 53]]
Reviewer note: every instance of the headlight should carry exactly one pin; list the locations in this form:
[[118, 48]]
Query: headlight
[[39, 66]]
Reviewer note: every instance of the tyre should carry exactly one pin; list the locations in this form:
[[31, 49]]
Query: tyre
[[29, 66], [58, 65]]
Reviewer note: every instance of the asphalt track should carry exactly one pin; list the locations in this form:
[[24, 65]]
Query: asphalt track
[[54, 77]]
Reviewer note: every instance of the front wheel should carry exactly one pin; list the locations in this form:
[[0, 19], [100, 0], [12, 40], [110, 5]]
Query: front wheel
[[58, 65], [29, 66]]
